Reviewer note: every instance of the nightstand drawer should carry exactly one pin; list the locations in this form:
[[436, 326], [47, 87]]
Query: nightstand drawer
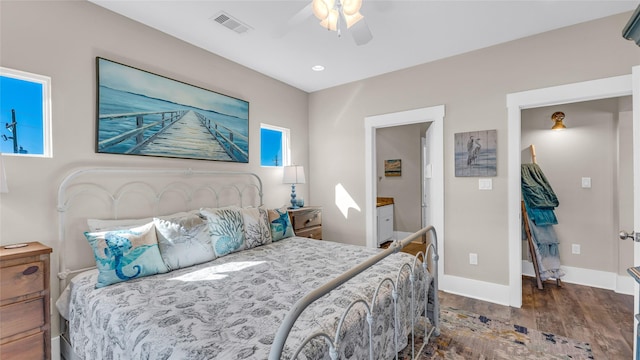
[[21, 317], [25, 329], [30, 347], [21, 279], [313, 233], [307, 219]]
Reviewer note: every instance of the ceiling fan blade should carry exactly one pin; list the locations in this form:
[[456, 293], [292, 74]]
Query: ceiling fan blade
[[294, 21], [361, 32]]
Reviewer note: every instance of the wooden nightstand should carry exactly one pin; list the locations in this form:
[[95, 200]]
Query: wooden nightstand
[[307, 221], [25, 331]]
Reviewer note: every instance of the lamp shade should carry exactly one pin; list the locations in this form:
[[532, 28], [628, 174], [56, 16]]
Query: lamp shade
[[4, 188], [293, 174]]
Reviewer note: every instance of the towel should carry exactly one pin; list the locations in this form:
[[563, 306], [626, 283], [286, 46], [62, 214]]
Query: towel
[[538, 195], [545, 244]]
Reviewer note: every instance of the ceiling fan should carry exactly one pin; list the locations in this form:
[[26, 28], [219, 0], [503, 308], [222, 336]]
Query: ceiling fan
[[336, 15]]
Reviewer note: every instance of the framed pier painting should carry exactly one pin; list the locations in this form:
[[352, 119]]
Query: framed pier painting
[[476, 153], [141, 113]]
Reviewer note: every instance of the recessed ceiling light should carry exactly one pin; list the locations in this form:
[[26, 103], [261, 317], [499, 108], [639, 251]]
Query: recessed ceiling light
[[317, 68]]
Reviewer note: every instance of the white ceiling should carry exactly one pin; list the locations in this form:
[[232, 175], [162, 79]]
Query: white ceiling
[[286, 40]]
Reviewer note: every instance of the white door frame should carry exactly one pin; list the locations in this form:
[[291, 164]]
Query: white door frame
[[635, 84], [516, 102], [435, 115]]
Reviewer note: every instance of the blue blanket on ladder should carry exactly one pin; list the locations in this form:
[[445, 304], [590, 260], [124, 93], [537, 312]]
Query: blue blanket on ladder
[[540, 201]]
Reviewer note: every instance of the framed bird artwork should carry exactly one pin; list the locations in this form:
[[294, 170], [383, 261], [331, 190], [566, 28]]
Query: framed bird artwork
[[476, 153]]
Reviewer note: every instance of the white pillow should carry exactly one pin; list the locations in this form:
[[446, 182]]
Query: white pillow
[[184, 240], [119, 224]]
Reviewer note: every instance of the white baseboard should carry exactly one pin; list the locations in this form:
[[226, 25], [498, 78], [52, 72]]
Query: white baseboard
[[625, 285], [499, 294], [475, 289], [595, 278], [55, 348]]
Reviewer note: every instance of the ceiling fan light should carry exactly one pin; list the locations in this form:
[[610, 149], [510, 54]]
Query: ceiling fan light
[[351, 7], [352, 19], [321, 8], [331, 21]]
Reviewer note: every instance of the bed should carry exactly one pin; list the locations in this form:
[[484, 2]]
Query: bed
[[271, 295]]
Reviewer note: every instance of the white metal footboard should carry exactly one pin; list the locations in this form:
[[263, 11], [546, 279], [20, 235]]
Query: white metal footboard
[[430, 298]]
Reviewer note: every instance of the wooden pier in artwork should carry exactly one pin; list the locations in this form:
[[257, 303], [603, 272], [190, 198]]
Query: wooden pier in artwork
[[183, 133]]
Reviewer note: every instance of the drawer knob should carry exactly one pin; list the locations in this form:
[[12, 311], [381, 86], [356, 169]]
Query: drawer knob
[[30, 270]]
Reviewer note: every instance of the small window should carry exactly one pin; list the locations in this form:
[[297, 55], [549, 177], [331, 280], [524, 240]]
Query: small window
[[25, 113], [274, 145]]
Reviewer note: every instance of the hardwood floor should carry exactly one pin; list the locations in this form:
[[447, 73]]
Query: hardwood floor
[[601, 317], [413, 248]]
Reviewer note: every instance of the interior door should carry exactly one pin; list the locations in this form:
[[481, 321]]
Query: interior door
[[426, 178]]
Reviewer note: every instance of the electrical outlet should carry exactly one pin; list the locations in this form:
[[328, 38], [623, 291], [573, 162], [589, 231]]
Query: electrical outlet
[[473, 259], [575, 249]]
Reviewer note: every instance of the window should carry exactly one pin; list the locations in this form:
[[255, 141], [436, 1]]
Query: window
[[274, 145], [25, 113]]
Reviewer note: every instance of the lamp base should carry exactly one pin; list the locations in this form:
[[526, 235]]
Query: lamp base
[[294, 203]]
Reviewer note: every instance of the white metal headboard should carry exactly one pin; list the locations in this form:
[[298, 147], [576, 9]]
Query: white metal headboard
[[127, 193]]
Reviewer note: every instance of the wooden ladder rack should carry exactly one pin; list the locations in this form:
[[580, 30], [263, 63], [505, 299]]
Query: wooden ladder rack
[[527, 230]]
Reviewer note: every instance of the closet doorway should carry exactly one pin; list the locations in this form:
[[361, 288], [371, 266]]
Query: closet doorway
[[558, 95], [589, 166]]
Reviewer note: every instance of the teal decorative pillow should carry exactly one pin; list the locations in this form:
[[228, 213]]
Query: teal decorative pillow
[[184, 240], [256, 227], [226, 229], [126, 254], [280, 224]]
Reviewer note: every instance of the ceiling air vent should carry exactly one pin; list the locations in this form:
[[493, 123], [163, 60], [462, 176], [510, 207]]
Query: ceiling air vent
[[231, 23]]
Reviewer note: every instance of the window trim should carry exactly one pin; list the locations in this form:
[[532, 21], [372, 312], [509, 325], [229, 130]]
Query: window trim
[[45, 81], [286, 144]]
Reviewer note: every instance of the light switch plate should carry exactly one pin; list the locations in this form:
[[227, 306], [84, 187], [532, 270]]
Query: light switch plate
[[586, 183], [575, 249], [485, 184]]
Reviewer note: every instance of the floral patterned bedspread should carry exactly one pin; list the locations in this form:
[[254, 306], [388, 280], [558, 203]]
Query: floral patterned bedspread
[[231, 308]]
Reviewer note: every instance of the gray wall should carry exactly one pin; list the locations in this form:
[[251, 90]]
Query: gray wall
[[473, 87], [401, 142], [61, 39]]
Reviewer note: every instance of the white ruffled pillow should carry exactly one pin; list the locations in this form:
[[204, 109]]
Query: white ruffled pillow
[[118, 224]]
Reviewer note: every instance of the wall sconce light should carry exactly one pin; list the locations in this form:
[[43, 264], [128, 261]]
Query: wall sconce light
[[293, 174], [4, 188], [557, 118]]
